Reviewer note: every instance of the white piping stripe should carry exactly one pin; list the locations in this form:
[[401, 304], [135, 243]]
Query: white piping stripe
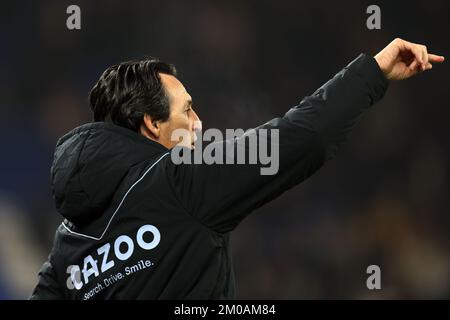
[[118, 207]]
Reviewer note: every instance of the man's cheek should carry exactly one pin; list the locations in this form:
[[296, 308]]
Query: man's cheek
[[181, 137]]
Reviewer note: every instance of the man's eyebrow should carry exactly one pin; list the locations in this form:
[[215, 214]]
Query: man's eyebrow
[[188, 103]]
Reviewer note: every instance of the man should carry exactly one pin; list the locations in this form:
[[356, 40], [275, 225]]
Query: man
[[139, 226]]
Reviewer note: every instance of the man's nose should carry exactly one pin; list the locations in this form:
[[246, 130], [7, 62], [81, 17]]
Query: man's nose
[[197, 124]]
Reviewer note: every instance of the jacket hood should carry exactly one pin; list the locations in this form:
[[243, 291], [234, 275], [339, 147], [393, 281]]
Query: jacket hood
[[89, 164]]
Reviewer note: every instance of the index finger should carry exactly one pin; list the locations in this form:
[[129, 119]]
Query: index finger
[[433, 58]]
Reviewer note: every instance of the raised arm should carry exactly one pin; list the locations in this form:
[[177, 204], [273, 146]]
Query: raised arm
[[221, 195]]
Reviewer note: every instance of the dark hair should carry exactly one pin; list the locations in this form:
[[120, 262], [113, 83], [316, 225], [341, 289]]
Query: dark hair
[[128, 90]]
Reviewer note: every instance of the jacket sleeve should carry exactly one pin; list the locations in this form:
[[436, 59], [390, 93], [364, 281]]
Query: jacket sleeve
[[221, 195], [47, 287]]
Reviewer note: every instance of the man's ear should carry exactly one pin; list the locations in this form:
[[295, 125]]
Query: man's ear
[[150, 128]]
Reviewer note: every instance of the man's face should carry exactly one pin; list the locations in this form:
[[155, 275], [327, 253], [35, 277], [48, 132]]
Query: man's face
[[182, 114]]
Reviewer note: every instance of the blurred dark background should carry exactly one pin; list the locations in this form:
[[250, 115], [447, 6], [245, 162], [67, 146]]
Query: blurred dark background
[[384, 200]]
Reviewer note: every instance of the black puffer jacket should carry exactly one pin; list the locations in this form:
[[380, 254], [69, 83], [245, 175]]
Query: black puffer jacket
[[138, 226]]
